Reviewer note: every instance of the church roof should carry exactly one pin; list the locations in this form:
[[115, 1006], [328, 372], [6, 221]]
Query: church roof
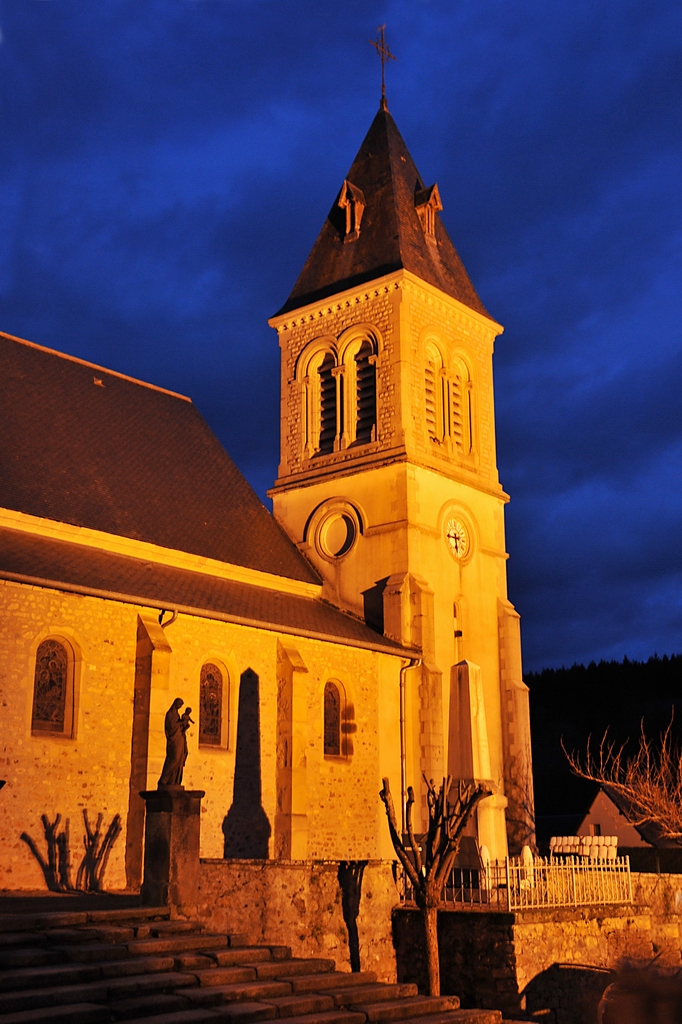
[[87, 446], [63, 565], [391, 236]]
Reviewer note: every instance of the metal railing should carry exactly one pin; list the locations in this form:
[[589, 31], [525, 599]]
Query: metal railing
[[568, 882], [518, 884]]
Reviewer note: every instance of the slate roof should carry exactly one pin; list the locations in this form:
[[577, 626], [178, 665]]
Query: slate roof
[[391, 235], [90, 447], [64, 565]]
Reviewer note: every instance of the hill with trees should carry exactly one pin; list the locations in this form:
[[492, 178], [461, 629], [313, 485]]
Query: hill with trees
[[572, 704]]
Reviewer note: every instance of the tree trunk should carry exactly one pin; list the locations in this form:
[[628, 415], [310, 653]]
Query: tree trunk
[[430, 917]]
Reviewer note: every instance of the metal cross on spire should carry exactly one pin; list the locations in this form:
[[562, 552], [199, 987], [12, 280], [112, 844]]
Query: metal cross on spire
[[385, 55]]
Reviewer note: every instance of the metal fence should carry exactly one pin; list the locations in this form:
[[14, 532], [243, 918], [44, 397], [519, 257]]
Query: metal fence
[[517, 884], [568, 882]]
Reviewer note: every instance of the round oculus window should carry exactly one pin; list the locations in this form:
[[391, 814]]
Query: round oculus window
[[337, 534]]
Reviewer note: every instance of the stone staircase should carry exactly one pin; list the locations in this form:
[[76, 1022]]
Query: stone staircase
[[141, 967]]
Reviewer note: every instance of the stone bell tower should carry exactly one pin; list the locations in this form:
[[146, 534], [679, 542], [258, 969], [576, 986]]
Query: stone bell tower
[[388, 478]]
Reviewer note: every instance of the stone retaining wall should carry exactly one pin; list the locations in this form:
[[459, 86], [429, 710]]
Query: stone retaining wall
[[553, 964], [299, 904], [549, 964]]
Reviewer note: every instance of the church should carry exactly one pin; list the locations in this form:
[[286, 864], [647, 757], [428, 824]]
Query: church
[[360, 631]]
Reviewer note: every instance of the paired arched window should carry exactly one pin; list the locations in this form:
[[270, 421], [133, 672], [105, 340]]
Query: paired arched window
[[447, 403], [340, 395], [53, 688], [212, 694]]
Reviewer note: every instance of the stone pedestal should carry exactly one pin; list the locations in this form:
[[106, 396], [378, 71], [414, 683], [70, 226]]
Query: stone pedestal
[[171, 849]]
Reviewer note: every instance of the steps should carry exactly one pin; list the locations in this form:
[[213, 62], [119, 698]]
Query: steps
[[138, 966]]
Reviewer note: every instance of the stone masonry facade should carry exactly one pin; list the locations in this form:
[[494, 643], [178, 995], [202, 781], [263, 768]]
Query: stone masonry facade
[[92, 769]]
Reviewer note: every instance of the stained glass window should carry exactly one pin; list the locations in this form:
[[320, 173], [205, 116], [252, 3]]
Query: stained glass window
[[50, 687], [211, 705], [332, 719]]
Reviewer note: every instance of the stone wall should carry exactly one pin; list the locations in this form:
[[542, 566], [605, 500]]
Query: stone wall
[[553, 964], [299, 904], [662, 894], [52, 774], [90, 769]]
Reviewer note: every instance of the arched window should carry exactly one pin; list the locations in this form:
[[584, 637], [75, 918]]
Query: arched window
[[447, 403], [211, 705], [332, 720], [365, 395], [327, 405], [435, 403], [53, 688], [456, 410]]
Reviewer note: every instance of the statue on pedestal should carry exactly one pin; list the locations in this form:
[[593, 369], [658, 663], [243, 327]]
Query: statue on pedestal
[[175, 727]]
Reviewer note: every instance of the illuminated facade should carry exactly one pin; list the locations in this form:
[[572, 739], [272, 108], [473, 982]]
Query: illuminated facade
[[363, 631]]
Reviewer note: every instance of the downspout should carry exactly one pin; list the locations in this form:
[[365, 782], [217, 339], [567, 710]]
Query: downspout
[[411, 663], [169, 622]]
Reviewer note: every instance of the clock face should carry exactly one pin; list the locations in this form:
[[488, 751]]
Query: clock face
[[457, 537]]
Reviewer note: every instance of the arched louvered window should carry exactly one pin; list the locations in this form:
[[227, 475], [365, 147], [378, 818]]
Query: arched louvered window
[[327, 405], [435, 397], [447, 403], [469, 426], [211, 705], [332, 719], [430, 398], [52, 688], [456, 410], [366, 395]]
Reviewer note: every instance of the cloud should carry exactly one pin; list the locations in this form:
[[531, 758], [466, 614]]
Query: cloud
[[166, 168]]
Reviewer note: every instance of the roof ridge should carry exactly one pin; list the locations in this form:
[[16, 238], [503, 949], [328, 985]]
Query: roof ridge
[[393, 139], [391, 156], [94, 366]]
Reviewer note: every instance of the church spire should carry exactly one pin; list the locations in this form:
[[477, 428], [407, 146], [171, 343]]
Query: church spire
[[383, 219]]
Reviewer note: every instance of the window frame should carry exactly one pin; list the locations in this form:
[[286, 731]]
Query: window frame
[[351, 343], [308, 375], [347, 726], [226, 710], [453, 402], [73, 664], [343, 351]]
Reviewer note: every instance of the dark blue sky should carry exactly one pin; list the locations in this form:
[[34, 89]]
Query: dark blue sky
[[167, 164]]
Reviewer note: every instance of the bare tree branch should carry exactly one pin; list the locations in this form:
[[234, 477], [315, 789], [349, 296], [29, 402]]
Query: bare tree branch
[[649, 782], [429, 861]]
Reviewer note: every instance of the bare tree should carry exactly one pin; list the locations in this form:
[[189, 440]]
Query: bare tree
[[428, 860], [649, 782]]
